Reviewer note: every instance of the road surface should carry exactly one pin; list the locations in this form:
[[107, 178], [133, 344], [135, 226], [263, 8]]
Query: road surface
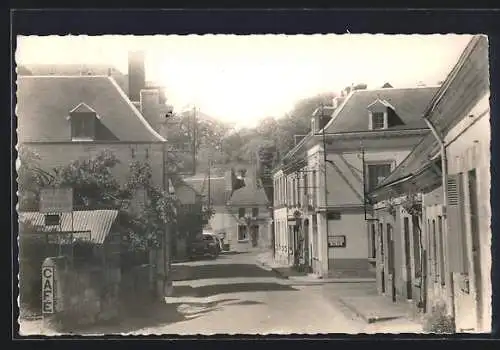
[[232, 295]]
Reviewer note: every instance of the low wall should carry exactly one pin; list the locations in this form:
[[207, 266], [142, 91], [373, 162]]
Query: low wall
[[80, 296]]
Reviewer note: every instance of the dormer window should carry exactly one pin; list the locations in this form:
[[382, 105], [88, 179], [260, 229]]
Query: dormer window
[[382, 115], [83, 123]]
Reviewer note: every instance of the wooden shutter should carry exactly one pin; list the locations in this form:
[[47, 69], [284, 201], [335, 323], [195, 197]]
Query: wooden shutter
[[456, 225]]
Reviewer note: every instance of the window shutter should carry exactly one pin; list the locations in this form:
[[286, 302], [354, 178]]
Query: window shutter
[[455, 223]]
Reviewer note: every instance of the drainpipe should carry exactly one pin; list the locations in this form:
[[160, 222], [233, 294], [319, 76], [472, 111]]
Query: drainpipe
[[444, 176], [325, 160]]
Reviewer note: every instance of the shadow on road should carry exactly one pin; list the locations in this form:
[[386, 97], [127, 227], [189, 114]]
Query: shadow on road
[[150, 318], [186, 272], [211, 290]]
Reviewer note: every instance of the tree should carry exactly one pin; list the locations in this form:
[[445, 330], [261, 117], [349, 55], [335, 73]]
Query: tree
[[95, 187]]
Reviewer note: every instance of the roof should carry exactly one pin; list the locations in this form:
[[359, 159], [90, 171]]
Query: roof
[[218, 192], [71, 69], [44, 103], [98, 222], [415, 161], [409, 104], [250, 195]]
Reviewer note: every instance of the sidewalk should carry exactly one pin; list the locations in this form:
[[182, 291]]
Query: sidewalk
[[363, 300], [266, 261]]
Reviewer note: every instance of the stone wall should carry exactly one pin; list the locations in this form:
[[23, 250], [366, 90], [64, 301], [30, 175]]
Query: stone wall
[[82, 295]]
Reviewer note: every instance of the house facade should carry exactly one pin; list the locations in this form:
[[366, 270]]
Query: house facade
[[434, 241], [352, 146], [63, 118], [241, 215]]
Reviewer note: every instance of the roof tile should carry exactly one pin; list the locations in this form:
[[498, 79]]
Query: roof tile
[[44, 103]]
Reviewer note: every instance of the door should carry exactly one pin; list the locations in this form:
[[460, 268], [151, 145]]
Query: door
[[314, 249], [390, 261], [306, 242], [409, 282], [381, 261], [254, 234], [476, 245]]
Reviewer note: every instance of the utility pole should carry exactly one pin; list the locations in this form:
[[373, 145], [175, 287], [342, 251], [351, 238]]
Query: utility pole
[[209, 205]]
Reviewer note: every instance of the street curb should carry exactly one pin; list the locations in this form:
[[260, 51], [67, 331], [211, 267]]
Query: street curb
[[367, 319], [335, 280]]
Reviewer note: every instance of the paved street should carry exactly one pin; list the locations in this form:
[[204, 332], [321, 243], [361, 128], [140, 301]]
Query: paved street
[[232, 295]]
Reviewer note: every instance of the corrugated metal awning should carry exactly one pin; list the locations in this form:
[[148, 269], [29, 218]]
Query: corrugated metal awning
[[98, 222]]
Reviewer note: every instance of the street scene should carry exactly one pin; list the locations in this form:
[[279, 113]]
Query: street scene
[[263, 184]]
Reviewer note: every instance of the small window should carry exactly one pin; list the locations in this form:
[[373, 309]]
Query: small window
[[82, 127], [378, 120], [242, 233], [255, 212], [241, 213]]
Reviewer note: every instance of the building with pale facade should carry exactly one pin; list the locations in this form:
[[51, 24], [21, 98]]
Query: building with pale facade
[[366, 134], [433, 211]]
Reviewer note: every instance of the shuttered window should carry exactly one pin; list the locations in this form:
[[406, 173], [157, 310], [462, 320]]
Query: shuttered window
[[457, 244]]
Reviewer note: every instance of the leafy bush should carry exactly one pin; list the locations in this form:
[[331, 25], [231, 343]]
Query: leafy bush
[[438, 321]]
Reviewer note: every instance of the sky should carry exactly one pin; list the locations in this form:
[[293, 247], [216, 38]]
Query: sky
[[242, 79]]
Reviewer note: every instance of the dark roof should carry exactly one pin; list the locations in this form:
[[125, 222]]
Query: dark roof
[[218, 192], [409, 104], [44, 103], [250, 195], [415, 161], [98, 222]]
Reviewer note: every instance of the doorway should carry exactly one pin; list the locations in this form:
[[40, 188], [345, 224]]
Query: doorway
[[382, 255], [306, 243], [314, 249], [390, 261], [406, 228], [476, 244]]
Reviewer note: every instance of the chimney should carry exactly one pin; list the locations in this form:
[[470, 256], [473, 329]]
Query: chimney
[[150, 107], [320, 118], [136, 75]]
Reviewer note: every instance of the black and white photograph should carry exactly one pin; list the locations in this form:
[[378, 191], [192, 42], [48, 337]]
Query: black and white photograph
[[263, 184]]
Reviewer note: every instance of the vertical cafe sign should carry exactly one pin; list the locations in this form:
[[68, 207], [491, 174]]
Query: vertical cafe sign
[[48, 289]]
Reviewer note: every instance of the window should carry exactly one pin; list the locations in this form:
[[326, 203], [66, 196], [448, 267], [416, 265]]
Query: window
[[241, 213], [242, 233], [82, 126], [255, 212], [378, 120], [313, 188], [377, 173]]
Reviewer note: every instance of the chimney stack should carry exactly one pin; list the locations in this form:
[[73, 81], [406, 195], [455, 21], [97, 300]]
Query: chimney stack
[[136, 75]]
